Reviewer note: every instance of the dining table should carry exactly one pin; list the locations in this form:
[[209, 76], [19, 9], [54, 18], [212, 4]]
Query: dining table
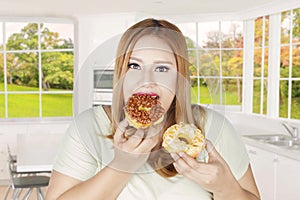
[[37, 152]]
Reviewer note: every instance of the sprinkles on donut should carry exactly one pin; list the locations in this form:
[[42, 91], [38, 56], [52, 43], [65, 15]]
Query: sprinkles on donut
[[143, 110]]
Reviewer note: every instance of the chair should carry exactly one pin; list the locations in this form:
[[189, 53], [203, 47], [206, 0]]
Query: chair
[[18, 182]]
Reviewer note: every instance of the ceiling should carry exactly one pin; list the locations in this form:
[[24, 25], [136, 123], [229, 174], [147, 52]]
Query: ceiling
[[63, 8]]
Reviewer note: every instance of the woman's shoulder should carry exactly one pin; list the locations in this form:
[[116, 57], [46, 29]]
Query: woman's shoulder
[[90, 115]]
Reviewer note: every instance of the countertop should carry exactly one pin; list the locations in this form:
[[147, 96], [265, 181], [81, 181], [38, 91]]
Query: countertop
[[293, 154]]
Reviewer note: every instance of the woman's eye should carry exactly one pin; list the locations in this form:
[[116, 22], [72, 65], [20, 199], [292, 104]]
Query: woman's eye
[[162, 69], [134, 66]]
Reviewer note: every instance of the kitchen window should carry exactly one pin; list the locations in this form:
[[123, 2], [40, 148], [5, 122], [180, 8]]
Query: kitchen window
[[289, 90], [36, 69], [215, 51]]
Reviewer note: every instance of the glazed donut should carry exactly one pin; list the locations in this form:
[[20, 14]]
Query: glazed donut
[[143, 110], [184, 138]]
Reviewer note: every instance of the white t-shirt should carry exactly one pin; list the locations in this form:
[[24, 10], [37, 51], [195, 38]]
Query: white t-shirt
[[85, 151]]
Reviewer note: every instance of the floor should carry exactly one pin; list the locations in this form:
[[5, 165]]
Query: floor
[[33, 195]]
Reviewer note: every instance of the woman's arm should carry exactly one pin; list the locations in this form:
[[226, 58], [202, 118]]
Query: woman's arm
[[130, 154], [107, 184]]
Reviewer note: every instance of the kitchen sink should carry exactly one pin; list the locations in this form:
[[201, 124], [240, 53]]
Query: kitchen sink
[[282, 141], [288, 144], [269, 138]]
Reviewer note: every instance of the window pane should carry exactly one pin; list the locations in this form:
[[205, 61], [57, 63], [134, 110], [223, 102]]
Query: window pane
[[296, 61], [296, 24], [232, 94], [257, 62], [232, 34], [1, 72], [189, 31], [23, 105], [266, 30], [209, 34], [192, 62], [22, 71], [232, 63], [285, 27], [1, 36], [209, 62], [57, 36], [57, 105], [21, 36], [283, 104], [295, 106], [57, 70], [194, 90], [211, 91], [2, 106], [258, 32], [265, 96], [256, 96], [284, 61], [266, 61]]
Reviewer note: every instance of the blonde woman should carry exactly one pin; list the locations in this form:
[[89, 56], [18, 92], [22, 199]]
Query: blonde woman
[[99, 161]]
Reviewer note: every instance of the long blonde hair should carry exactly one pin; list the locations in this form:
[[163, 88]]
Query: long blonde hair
[[180, 109]]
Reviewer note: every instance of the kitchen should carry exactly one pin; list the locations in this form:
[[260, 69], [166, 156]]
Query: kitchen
[[97, 26]]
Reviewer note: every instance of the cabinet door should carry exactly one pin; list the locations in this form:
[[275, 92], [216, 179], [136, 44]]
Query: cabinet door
[[262, 164], [288, 179]]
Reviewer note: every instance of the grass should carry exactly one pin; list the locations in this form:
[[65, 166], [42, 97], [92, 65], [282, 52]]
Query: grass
[[28, 105], [53, 105]]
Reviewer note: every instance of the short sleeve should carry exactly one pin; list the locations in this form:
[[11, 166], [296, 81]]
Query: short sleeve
[[73, 159], [227, 142]]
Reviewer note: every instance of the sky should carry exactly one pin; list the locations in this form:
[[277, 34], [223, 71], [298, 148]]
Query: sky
[[65, 30]]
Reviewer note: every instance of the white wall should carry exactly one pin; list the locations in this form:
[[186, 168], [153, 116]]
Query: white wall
[[248, 124], [96, 42]]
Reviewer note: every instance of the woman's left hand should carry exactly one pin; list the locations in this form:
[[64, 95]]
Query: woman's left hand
[[214, 176]]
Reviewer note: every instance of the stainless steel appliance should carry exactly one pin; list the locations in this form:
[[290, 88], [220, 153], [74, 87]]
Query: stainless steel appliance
[[103, 84]]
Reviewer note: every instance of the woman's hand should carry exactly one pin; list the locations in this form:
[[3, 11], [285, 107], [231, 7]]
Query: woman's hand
[[131, 152], [214, 176]]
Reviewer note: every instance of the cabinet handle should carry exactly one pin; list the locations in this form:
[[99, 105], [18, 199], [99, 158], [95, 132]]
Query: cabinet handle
[[252, 152]]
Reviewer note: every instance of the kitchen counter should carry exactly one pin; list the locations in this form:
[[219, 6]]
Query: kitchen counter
[[293, 154]]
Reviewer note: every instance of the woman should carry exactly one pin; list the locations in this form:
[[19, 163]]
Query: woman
[[99, 160]]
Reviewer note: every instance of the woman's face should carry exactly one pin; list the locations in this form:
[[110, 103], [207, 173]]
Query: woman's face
[[152, 70]]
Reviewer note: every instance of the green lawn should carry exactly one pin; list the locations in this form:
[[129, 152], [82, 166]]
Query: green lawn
[[27, 105], [206, 97]]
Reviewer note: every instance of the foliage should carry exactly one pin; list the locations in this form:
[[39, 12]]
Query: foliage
[[23, 68]]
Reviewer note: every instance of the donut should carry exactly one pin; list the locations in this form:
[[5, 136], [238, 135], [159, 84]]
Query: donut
[[183, 138], [143, 109]]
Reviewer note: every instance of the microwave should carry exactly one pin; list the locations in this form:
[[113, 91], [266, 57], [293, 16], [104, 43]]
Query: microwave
[[103, 85]]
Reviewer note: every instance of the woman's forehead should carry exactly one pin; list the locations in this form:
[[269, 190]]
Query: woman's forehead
[[153, 43]]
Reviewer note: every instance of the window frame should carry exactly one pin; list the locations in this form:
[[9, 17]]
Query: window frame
[[39, 52]]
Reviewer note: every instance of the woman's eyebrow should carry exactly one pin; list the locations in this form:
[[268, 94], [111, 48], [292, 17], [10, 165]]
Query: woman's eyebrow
[[155, 62], [136, 59], [163, 62]]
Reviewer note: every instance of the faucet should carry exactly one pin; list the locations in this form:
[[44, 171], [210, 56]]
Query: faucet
[[292, 130]]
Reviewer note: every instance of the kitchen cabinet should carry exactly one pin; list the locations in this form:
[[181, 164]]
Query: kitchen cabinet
[[287, 179], [263, 167], [277, 177]]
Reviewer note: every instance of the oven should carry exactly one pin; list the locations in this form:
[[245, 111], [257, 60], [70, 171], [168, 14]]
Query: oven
[[103, 84]]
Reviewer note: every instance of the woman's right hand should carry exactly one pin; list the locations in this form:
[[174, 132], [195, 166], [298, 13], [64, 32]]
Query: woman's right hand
[[133, 151]]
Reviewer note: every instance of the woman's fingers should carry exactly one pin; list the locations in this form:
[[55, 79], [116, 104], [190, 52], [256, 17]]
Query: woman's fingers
[[119, 135]]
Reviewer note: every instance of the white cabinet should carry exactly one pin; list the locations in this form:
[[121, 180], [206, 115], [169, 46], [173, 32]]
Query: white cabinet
[[262, 164], [277, 177], [287, 179]]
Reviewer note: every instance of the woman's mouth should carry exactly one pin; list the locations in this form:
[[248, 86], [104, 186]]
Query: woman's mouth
[[154, 95]]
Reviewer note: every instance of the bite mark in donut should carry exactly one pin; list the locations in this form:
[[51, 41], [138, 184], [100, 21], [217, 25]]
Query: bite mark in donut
[[143, 110], [184, 138]]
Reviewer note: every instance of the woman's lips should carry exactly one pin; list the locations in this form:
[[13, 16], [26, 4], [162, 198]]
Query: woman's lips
[[148, 93]]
